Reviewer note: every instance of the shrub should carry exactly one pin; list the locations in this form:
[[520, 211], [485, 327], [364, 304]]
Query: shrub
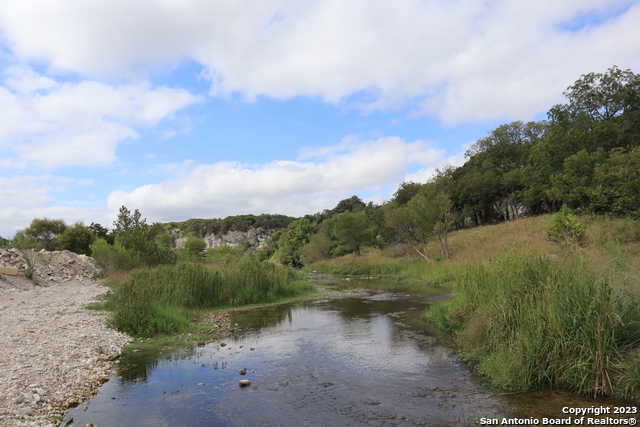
[[141, 242], [23, 240], [77, 238], [195, 246], [317, 248], [114, 257], [565, 227]]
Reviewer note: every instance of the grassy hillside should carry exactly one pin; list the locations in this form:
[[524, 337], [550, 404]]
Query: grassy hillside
[[610, 243]]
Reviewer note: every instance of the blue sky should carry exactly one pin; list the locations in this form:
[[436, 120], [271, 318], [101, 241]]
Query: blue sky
[[208, 109]]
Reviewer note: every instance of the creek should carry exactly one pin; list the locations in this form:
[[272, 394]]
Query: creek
[[358, 360]]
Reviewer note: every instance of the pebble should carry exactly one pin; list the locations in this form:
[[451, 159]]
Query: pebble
[[65, 357], [24, 412]]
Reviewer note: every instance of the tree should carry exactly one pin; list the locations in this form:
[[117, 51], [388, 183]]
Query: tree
[[430, 215], [45, 231], [77, 238], [399, 220], [22, 240], [351, 230], [574, 185], [603, 96], [616, 186], [491, 182], [318, 247], [405, 192], [352, 204], [100, 232], [291, 241], [133, 234], [128, 221]]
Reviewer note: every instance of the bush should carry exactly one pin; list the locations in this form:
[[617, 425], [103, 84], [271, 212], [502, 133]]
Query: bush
[[159, 300], [529, 323], [317, 248], [141, 254], [114, 257], [141, 242], [195, 245], [566, 228], [45, 231], [22, 240], [77, 238]]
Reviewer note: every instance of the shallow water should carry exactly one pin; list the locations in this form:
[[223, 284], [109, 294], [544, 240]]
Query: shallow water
[[344, 361]]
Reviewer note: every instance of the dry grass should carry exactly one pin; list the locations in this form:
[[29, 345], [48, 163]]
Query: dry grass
[[613, 244]]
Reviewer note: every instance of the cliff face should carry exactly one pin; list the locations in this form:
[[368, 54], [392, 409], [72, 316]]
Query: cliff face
[[254, 238]]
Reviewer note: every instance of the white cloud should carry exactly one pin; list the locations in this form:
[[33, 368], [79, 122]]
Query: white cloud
[[26, 197], [51, 123], [470, 60], [289, 187]]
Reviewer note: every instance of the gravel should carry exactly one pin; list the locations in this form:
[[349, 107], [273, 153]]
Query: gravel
[[55, 352], [45, 268]]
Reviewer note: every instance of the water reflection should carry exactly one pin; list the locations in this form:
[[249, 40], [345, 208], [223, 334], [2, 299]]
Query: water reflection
[[350, 361]]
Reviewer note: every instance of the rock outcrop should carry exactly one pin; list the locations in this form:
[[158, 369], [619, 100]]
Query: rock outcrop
[[253, 238]]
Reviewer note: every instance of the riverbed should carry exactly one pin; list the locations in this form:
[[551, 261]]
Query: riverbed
[[363, 360]]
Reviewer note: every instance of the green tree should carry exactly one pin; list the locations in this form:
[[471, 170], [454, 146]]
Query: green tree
[[616, 184], [604, 96], [45, 231], [431, 215], [76, 238], [405, 192], [574, 185], [100, 232], [351, 230], [602, 113], [399, 220], [128, 221], [22, 240], [291, 241], [133, 234], [352, 204], [318, 247]]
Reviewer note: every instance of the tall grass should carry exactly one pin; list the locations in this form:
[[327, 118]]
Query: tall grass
[[162, 299], [526, 322], [406, 274]]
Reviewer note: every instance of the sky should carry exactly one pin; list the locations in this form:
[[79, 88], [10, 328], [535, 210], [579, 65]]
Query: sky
[[202, 109]]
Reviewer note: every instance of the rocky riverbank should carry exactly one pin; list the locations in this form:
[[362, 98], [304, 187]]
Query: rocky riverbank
[[55, 351]]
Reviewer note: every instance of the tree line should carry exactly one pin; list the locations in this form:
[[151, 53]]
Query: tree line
[[585, 156]]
